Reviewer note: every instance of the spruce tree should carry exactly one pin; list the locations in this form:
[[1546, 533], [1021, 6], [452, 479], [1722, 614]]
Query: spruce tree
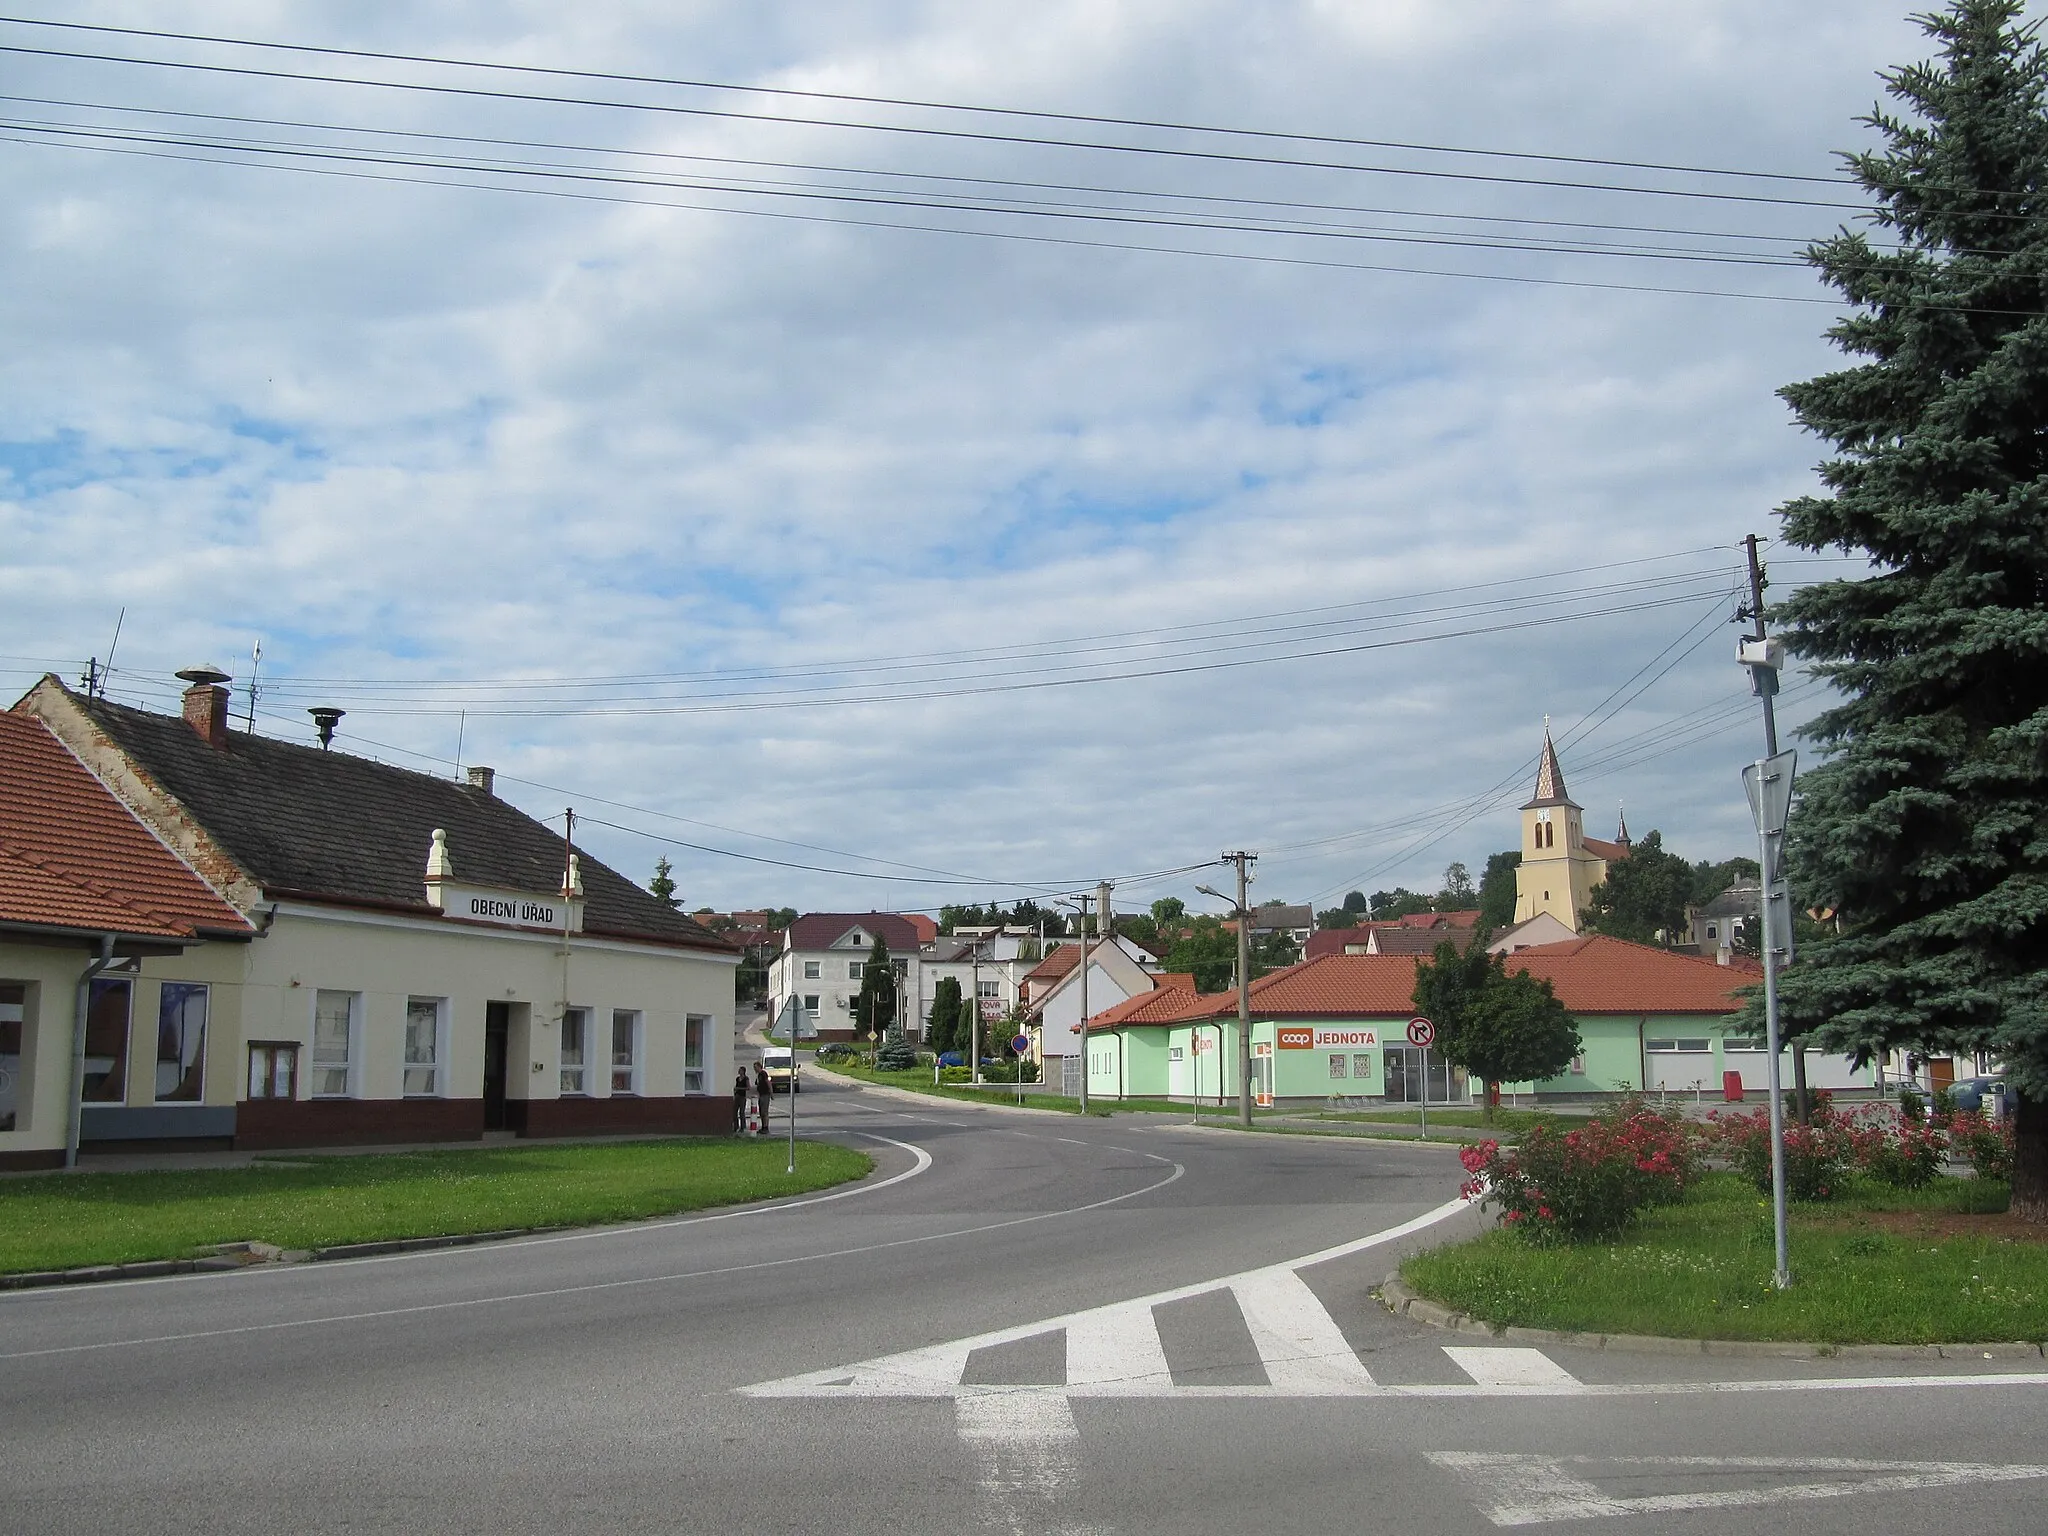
[[875, 1008], [1925, 824], [942, 1028]]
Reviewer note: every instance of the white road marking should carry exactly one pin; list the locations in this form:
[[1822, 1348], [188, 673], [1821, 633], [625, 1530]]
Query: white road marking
[[1513, 1490], [1026, 1454], [593, 1286], [1304, 1351], [831, 1383], [1510, 1367], [1116, 1344]]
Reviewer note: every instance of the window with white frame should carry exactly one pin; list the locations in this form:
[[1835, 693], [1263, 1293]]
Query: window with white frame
[[625, 1050], [334, 1028], [814, 970], [180, 1042], [853, 969], [1338, 1065], [989, 987], [811, 1005], [13, 1019], [696, 1035], [423, 1017], [575, 1050], [1361, 1067]]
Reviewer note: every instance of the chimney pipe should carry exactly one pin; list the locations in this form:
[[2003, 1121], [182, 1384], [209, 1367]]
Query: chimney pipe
[[483, 778], [206, 704]]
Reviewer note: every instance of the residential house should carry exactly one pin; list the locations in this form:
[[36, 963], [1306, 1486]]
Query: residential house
[[428, 963], [821, 962], [1117, 970]]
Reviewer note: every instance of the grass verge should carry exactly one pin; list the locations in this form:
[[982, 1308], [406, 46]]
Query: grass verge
[[62, 1221], [1874, 1266], [919, 1080]]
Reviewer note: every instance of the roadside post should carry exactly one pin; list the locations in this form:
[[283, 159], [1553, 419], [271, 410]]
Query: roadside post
[[792, 1019], [1768, 783], [1423, 1033], [1020, 1047]]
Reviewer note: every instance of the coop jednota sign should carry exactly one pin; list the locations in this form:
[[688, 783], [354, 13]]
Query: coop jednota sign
[[1304, 1037]]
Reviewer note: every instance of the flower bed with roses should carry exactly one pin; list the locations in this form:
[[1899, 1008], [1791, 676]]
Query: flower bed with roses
[[1561, 1186]]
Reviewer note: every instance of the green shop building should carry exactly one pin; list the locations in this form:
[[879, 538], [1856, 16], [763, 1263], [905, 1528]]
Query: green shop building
[[1650, 1019]]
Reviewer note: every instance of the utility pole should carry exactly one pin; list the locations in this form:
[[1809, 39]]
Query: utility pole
[[1243, 861], [1768, 785], [1079, 906], [1764, 680]]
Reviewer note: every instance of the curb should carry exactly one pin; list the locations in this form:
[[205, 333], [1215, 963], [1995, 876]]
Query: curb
[[413, 1244], [1403, 1302]]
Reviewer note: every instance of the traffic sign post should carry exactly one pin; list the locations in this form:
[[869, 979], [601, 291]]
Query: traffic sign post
[[1020, 1047], [1423, 1033], [793, 1013]]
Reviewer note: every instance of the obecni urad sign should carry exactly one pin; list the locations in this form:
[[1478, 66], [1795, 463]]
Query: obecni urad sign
[[1303, 1037], [507, 909]]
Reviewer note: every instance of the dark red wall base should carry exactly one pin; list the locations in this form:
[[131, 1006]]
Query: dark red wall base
[[24, 1162], [266, 1123], [698, 1115]]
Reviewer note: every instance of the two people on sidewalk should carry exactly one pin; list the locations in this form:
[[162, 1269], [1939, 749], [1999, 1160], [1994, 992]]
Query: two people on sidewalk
[[764, 1092]]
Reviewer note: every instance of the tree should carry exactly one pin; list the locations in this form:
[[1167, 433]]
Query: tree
[[875, 1007], [1923, 825], [1338, 917], [1500, 1026], [1399, 902], [1169, 912], [663, 885], [942, 1024], [1497, 889], [1356, 904], [1644, 896], [1208, 951], [1457, 894], [1712, 880]]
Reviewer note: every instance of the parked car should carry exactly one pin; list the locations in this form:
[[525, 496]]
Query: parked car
[[1971, 1092], [952, 1059], [782, 1070]]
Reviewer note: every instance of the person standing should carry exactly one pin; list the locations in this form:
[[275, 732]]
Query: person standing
[[739, 1101], [764, 1090]]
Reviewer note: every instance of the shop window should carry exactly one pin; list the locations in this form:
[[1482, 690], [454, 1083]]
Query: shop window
[[106, 1041], [180, 1042], [13, 1010], [334, 1017], [575, 1033], [696, 1031], [1361, 1067], [423, 1017], [1338, 1065], [273, 1069], [625, 1051]]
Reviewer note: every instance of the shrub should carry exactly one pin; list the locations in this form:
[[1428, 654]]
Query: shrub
[[835, 1051], [1911, 1106], [1567, 1186], [1901, 1154], [1986, 1147], [1816, 1156], [1942, 1107]]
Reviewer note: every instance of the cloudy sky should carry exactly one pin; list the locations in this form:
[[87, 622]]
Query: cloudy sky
[[1019, 499]]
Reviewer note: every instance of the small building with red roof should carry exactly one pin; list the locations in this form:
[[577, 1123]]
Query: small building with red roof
[[1648, 1018]]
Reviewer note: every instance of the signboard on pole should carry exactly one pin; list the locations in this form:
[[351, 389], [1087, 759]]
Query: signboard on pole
[[1421, 1032], [1020, 1045]]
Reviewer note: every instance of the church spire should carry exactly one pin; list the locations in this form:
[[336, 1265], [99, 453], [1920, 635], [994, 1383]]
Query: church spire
[[1550, 788], [1621, 832]]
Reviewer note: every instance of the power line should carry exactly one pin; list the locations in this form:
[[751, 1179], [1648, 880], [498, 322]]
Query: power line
[[1092, 119]]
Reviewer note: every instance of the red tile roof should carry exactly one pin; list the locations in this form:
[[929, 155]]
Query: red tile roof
[[1172, 999], [1056, 964], [71, 855], [1600, 848], [821, 930], [927, 927]]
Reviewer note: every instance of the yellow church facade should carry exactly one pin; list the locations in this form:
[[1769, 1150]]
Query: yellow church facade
[[1560, 865]]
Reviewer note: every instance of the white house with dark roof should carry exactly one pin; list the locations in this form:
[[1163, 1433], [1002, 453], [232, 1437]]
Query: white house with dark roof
[[823, 958], [429, 962]]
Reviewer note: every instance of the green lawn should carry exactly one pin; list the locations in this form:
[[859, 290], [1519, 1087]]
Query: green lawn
[[919, 1080], [1876, 1266], [61, 1221]]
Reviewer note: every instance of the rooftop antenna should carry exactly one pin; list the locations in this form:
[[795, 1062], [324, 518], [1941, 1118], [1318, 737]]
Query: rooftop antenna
[[255, 664], [325, 718], [108, 670], [461, 724]]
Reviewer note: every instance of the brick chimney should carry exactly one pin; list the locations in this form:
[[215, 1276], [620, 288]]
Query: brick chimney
[[483, 778], [206, 704]]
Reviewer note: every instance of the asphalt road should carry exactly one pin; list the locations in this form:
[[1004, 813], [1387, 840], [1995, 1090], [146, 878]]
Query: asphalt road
[[797, 1368]]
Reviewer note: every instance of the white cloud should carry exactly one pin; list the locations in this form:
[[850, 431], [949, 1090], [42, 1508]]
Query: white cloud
[[417, 433]]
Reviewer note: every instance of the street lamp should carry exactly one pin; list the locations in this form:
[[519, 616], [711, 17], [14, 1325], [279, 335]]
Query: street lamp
[[1079, 906]]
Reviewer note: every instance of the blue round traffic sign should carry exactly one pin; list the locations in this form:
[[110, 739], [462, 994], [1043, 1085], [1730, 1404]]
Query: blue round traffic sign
[[1020, 1044]]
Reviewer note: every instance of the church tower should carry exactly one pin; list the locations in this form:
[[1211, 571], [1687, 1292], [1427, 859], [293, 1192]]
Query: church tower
[[1558, 871]]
